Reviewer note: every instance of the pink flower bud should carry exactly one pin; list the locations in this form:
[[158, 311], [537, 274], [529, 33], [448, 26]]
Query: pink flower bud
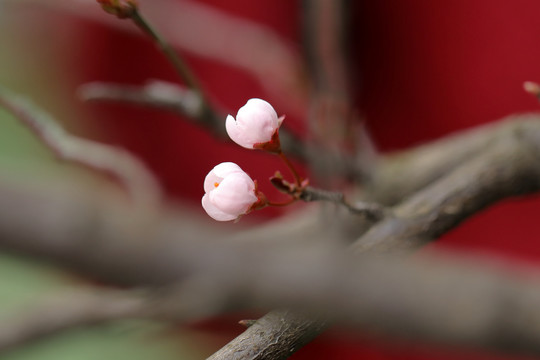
[[229, 192], [256, 124]]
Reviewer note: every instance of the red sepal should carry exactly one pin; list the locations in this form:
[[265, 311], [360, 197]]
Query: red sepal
[[273, 146]]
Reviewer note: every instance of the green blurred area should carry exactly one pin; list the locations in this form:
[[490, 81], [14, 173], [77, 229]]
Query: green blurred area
[[35, 69], [24, 282]]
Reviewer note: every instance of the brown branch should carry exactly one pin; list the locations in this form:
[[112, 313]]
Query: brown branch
[[141, 185]]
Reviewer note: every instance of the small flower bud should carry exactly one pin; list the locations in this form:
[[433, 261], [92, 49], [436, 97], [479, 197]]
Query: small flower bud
[[120, 8], [229, 192], [532, 88], [256, 126]]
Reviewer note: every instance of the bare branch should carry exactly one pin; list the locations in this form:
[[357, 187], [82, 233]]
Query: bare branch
[[402, 173], [123, 166], [325, 29], [466, 302], [177, 99], [507, 168], [156, 93]]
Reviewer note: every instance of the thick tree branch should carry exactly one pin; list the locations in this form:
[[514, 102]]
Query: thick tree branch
[[404, 172], [471, 302], [507, 168]]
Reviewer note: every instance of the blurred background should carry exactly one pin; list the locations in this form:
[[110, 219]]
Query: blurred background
[[420, 70]]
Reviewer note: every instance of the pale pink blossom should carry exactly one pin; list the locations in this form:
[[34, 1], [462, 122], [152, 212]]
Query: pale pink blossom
[[256, 123], [229, 192]]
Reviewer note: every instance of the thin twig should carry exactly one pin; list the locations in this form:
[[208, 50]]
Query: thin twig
[[182, 68], [141, 185], [177, 62]]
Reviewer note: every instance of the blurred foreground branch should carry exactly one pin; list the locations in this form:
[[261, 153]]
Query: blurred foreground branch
[[141, 185], [467, 302]]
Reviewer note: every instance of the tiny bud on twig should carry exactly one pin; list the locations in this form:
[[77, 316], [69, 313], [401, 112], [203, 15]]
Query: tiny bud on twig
[[532, 88], [122, 9], [247, 323]]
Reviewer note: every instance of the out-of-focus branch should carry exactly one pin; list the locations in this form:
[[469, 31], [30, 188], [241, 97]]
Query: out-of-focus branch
[[123, 166], [66, 311], [452, 301], [175, 98], [274, 63], [156, 94], [333, 122], [325, 27], [197, 106], [206, 109], [399, 174], [506, 168]]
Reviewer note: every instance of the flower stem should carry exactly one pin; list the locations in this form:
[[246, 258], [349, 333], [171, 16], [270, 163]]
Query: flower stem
[[288, 202], [297, 178]]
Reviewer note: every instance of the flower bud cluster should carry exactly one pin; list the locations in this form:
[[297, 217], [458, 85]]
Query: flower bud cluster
[[229, 191]]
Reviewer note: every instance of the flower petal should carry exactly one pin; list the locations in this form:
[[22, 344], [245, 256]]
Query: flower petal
[[261, 105], [214, 212], [235, 194], [226, 168], [256, 122], [236, 132], [218, 173]]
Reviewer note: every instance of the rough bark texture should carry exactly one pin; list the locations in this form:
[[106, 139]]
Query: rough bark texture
[[284, 331]]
